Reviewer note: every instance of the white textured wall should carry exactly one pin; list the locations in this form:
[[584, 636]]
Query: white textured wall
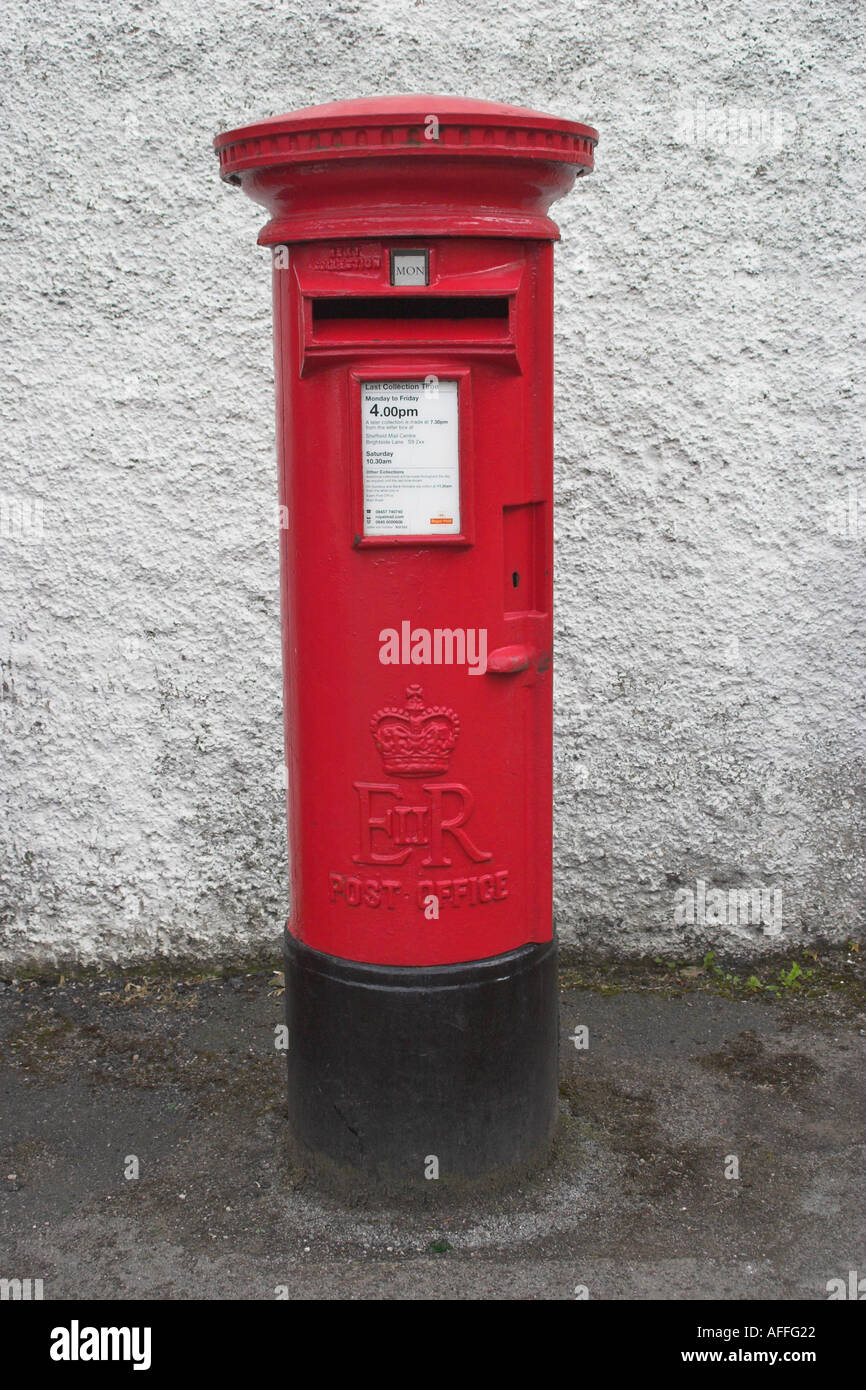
[[709, 421]]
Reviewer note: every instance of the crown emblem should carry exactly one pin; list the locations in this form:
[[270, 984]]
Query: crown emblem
[[418, 740]]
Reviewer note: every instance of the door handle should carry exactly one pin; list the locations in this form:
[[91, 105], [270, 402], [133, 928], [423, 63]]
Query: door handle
[[507, 661]]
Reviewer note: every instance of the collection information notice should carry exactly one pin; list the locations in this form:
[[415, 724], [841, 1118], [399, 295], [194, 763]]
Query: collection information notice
[[411, 458]]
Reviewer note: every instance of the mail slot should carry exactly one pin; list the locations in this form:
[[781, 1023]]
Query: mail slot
[[412, 273]]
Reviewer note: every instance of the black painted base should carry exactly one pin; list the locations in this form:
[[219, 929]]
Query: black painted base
[[391, 1068]]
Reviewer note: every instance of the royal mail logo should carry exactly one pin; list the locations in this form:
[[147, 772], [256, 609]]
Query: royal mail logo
[[417, 740], [397, 823]]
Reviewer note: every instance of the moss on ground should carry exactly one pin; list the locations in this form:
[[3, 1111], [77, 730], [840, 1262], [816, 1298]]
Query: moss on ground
[[814, 982]]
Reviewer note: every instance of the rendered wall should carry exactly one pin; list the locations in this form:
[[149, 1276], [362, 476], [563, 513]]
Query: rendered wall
[[711, 513]]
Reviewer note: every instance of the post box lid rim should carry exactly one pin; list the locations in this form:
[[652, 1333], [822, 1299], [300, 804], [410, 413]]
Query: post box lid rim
[[397, 110]]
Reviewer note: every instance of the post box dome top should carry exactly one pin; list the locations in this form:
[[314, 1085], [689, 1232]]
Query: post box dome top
[[407, 164]]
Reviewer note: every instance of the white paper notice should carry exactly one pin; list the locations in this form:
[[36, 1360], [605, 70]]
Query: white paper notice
[[411, 458]]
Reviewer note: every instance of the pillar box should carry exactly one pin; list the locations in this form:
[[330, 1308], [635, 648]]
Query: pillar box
[[412, 281]]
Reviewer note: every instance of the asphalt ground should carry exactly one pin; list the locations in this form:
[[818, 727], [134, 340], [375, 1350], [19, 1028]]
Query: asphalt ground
[[710, 1146]]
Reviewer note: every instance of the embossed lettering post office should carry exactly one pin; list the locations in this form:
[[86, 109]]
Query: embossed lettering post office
[[413, 259]]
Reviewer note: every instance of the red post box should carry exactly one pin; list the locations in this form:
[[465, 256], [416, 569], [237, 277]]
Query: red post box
[[414, 346]]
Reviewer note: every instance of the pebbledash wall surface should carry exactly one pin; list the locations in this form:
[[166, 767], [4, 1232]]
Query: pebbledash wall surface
[[711, 513]]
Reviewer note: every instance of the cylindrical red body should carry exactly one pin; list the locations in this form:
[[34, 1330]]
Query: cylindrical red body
[[366, 617], [413, 314]]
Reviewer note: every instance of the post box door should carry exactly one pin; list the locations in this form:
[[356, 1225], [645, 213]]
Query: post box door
[[416, 487]]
